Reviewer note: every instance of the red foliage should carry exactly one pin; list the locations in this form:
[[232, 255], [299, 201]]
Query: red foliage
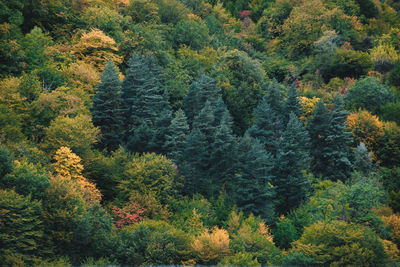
[[127, 215], [244, 13]]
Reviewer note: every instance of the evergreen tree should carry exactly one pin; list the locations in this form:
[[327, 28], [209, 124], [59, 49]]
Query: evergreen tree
[[292, 159], [317, 128], [135, 78], [106, 111], [219, 111], [222, 154], [293, 103], [204, 121], [147, 109], [338, 139], [196, 160], [176, 139], [203, 90], [266, 128], [253, 190], [275, 97]]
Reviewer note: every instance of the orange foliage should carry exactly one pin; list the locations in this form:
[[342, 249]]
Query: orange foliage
[[366, 128]]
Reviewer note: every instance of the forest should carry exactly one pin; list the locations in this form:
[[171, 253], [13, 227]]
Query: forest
[[200, 132]]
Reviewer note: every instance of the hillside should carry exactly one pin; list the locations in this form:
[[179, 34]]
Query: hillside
[[184, 132]]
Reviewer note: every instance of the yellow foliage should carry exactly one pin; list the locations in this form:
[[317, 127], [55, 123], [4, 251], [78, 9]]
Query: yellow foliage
[[393, 223], [212, 246], [308, 105], [81, 74], [68, 165], [366, 128], [97, 49], [391, 250]]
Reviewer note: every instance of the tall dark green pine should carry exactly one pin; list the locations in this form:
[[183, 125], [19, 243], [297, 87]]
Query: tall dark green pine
[[292, 159], [204, 121], [135, 78], [275, 97], [317, 129], [267, 126], [176, 139], [292, 104], [202, 90], [254, 192], [219, 111], [146, 106], [223, 155], [195, 165], [106, 112], [338, 140]]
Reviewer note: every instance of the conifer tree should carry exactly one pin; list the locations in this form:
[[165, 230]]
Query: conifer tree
[[292, 103], [196, 160], [292, 159], [203, 90], [176, 139], [135, 78], [106, 111], [204, 121], [222, 154], [266, 127], [317, 129], [219, 111], [275, 97], [254, 192], [146, 106], [338, 139]]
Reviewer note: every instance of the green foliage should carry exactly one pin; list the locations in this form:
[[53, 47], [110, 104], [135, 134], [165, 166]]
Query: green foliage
[[338, 243], [175, 142], [106, 112], [5, 162], [343, 63], [336, 150], [21, 231], [26, 179], [153, 242], [285, 233], [293, 157], [191, 33], [254, 192], [77, 133], [369, 94], [34, 45], [241, 79], [149, 173]]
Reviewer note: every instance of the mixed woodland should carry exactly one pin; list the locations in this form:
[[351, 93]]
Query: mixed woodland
[[199, 132]]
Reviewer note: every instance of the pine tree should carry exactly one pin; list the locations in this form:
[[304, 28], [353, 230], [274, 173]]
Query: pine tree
[[195, 165], [317, 128], [135, 78], [203, 90], [146, 106], [338, 139], [176, 139], [204, 121], [219, 111], [222, 154], [266, 128], [253, 190], [293, 103], [106, 111], [292, 159], [275, 97]]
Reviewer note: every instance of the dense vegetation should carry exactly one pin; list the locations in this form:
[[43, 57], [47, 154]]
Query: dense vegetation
[[157, 132]]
